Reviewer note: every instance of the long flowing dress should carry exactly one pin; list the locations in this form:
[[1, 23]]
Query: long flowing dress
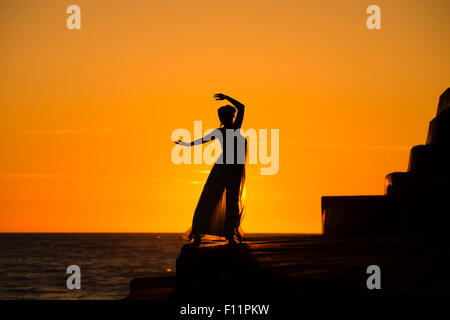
[[220, 208]]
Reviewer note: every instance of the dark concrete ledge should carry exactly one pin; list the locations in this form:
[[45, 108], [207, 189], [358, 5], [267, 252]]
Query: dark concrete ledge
[[281, 267], [157, 288]]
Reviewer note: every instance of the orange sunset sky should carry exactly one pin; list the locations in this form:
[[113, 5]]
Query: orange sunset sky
[[86, 115]]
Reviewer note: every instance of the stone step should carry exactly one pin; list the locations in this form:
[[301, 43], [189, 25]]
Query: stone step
[[421, 158], [417, 184], [408, 185], [429, 158], [444, 101], [359, 215], [439, 129], [400, 184], [422, 200]]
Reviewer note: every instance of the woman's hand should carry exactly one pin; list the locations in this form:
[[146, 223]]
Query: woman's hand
[[220, 96], [181, 143]]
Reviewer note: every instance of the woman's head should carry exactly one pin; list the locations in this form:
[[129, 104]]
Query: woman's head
[[226, 115]]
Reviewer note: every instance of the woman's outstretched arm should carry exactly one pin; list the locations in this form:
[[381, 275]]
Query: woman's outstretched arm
[[209, 137], [239, 106]]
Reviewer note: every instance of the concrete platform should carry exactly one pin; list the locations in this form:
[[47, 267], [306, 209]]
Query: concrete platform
[[266, 268], [156, 289]]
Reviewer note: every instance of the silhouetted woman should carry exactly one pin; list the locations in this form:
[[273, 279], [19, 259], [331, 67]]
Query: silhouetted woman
[[220, 208]]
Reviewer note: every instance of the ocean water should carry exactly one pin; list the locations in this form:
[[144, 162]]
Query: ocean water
[[33, 266]]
